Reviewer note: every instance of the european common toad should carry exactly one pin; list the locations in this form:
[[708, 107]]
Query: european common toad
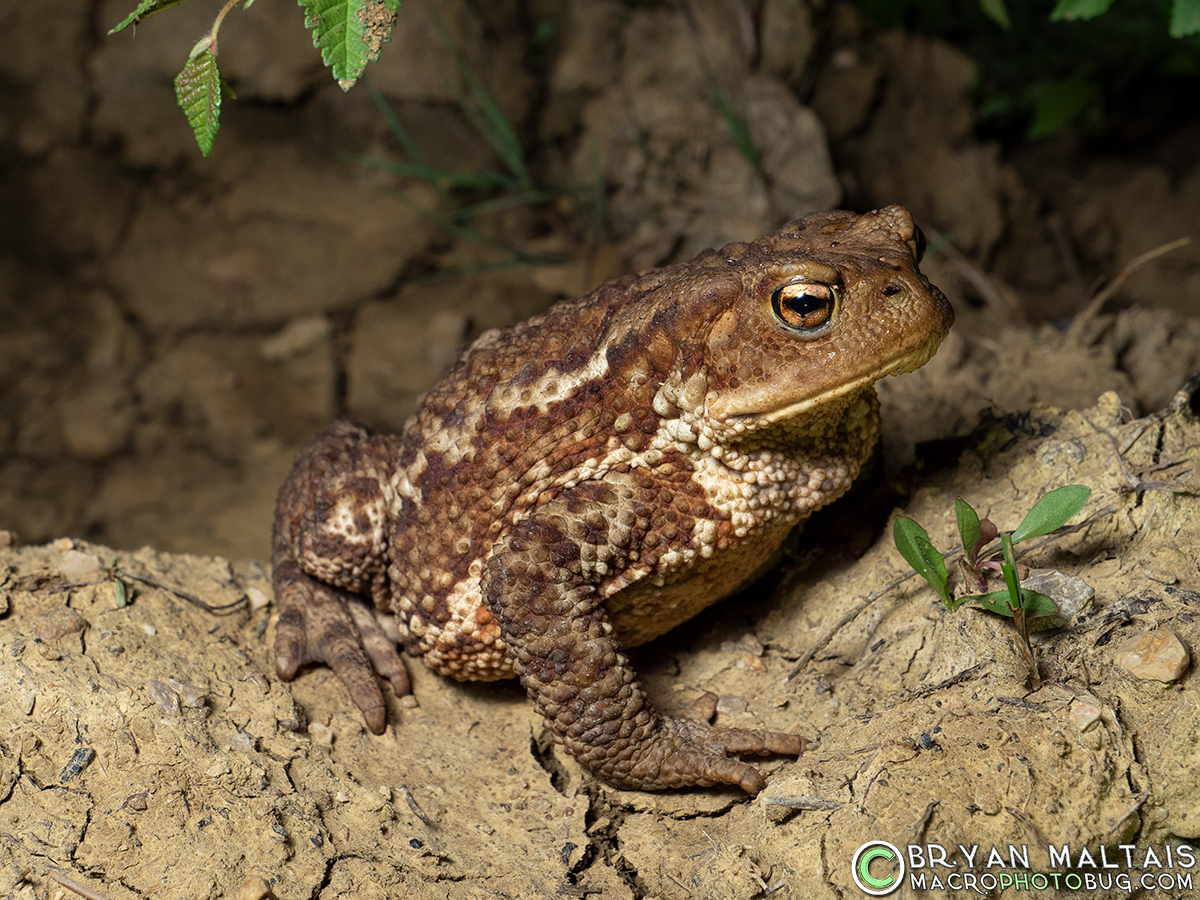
[[590, 478]]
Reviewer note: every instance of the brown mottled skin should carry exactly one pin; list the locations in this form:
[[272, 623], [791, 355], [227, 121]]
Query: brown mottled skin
[[589, 479]]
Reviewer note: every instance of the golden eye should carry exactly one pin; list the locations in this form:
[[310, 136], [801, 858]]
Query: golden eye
[[806, 308]]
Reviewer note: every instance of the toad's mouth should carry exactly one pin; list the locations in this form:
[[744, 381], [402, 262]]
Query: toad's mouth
[[753, 420]]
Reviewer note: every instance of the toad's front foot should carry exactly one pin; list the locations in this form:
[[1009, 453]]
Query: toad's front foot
[[319, 623]]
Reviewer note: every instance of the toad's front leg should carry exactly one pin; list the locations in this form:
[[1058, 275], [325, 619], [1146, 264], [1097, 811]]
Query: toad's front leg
[[329, 563], [541, 583]]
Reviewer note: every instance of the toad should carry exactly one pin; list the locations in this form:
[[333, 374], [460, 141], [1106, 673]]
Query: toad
[[584, 481]]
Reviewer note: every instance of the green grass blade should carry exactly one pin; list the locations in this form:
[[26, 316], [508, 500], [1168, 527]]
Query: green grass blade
[[495, 126], [738, 127], [468, 232], [198, 92], [393, 123], [437, 177], [484, 113], [1052, 511]]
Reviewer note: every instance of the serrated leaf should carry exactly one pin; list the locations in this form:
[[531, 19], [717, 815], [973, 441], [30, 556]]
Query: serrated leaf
[[1052, 511], [918, 551], [997, 12], [1079, 9], [144, 10], [349, 33], [1185, 18], [198, 92]]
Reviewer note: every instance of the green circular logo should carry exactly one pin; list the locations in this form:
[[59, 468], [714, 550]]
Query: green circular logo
[[887, 873]]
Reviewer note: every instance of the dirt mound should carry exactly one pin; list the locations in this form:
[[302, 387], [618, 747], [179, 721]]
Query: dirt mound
[[147, 748]]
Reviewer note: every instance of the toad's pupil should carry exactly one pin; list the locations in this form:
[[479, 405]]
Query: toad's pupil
[[804, 305]]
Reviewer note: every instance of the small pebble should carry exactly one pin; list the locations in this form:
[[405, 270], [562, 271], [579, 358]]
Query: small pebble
[[76, 566], [729, 703], [1157, 655], [1083, 713], [1072, 595], [321, 734], [258, 599], [59, 622], [192, 696], [295, 338], [137, 802], [254, 888], [750, 644], [164, 696]]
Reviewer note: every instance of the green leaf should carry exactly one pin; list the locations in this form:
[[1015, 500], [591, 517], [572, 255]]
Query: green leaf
[[997, 12], [1079, 9], [968, 527], [144, 10], [1052, 511], [1060, 103], [918, 551], [1014, 585], [1000, 602], [349, 33], [481, 110], [198, 92], [1185, 18]]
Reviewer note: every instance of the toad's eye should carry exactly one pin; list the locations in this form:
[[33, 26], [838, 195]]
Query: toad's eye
[[805, 308], [917, 244]]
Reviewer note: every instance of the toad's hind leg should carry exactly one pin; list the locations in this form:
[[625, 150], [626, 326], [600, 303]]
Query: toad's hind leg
[[541, 584], [329, 549]]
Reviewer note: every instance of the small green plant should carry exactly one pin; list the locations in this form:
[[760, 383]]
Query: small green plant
[[113, 573], [349, 34], [1021, 604]]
